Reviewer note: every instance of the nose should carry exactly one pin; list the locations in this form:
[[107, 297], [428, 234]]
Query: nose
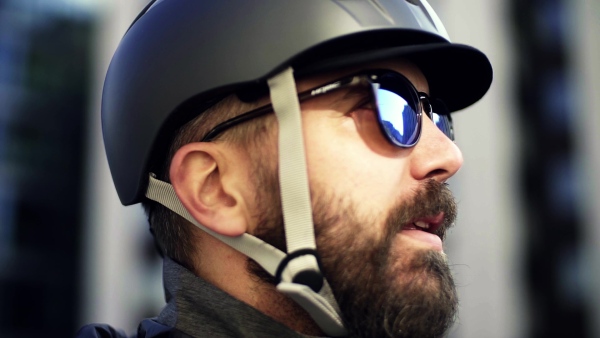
[[435, 156]]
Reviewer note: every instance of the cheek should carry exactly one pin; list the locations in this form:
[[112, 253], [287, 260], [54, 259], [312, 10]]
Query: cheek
[[367, 127], [348, 157]]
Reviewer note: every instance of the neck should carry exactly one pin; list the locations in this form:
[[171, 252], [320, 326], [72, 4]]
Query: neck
[[229, 270]]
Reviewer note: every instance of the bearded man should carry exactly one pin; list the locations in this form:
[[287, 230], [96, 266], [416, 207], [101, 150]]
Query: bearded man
[[292, 158]]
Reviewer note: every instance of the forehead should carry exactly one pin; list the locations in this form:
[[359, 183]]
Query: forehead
[[402, 66]]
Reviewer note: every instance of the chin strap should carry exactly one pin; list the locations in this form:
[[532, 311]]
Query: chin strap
[[298, 272], [265, 254], [307, 285], [302, 256]]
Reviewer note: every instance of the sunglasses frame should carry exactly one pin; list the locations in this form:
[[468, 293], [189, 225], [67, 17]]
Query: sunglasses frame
[[368, 78]]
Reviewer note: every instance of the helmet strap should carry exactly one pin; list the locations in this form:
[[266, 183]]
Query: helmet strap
[[298, 271], [307, 285], [293, 179]]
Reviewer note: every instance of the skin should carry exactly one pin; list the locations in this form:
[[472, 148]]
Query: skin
[[346, 154]]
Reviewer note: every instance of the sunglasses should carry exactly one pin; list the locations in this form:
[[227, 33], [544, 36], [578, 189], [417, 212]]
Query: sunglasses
[[397, 102]]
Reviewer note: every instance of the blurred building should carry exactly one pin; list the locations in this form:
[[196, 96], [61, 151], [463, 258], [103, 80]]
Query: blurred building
[[47, 56], [44, 90]]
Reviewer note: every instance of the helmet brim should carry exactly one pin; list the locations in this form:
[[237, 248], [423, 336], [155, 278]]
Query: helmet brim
[[458, 74]]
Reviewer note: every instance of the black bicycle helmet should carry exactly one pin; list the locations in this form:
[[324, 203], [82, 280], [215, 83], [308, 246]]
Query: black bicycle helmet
[[182, 50]]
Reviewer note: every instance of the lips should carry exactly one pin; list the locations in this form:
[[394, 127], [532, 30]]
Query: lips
[[427, 230], [430, 224]]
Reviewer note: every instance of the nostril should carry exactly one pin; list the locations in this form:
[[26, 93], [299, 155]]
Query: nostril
[[436, 173]]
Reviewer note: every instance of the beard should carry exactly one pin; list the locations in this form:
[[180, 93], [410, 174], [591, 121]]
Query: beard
[[382, 288]]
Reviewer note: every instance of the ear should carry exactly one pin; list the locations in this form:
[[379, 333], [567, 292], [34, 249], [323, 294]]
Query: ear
[[197, 177]]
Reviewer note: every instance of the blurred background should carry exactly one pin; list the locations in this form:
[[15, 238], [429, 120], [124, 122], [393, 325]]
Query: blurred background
[[525, 252]]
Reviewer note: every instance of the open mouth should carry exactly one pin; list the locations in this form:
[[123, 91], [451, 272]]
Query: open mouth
[[430, 224], [427, 230]]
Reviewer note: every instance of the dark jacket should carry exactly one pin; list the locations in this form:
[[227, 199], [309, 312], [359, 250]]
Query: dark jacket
[[196, 308], [149, 328]]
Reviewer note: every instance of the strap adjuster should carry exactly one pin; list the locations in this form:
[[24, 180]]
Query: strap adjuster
[[311, 278]]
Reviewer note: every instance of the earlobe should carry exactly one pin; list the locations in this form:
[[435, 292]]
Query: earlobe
[[196, 176]]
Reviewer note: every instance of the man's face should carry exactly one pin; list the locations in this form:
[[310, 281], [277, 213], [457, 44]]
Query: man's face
[[388, 278]]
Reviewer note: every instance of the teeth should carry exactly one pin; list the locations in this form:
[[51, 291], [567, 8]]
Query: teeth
[[422, 224]]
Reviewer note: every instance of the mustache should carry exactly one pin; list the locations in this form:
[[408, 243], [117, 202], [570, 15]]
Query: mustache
[[431, 199]]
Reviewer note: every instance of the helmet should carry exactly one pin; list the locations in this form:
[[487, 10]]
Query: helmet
[[182, 50]]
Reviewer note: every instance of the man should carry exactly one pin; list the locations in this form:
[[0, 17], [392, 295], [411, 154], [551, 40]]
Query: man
[[292, 159]]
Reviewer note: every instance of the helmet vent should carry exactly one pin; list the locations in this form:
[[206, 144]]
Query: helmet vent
[[382, 9], [414, 2]]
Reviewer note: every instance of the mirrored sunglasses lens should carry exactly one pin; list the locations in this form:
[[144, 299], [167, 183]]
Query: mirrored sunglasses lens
[[442, 119], [398, 118], [444, 123]]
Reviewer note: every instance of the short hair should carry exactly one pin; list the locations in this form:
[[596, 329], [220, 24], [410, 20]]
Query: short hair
[[174, 235]]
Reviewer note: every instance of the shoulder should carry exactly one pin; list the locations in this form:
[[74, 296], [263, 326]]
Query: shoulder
[[99, 331], [148, 328]]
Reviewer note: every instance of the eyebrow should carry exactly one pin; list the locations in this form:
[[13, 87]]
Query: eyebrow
[[352, 93]]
